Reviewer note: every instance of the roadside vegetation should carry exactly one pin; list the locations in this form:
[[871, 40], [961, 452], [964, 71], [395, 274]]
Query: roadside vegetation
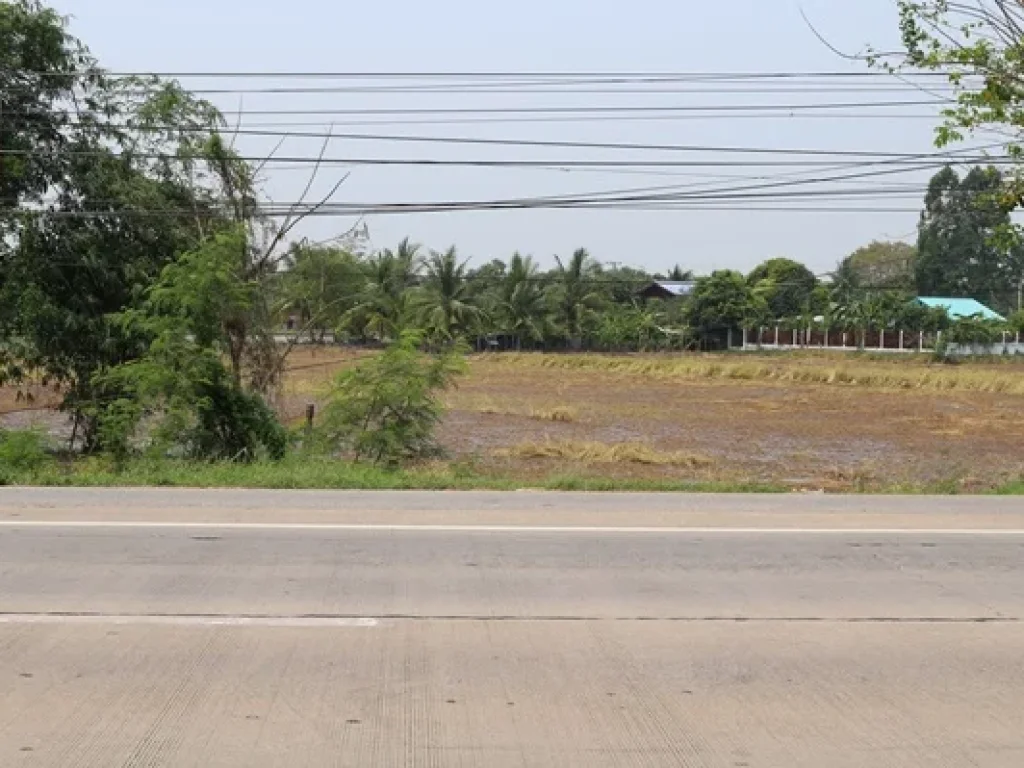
[[154, 299]]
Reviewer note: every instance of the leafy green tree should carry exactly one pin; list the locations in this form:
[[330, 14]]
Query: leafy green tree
[[785, 285], [321, 285], [52, 98], [445, 304], [387, 408], [632, 327], [979, 49], [620, 285], [180, 382], [485, 279], [77, 243], [723, 301], [960, 251], [882, 265], [975, 332], [1015, 322], [575, 294]]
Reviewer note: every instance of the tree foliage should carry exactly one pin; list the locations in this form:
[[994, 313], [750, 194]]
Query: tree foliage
[[180, 381], [960, 252], [386, 409], [382, 308], [785, 285], [882, 265], [723, 301], [575, 295], [320, 286], [520, 307], [446, 306]]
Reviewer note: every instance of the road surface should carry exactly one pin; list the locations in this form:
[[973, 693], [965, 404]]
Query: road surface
[[228, 628]]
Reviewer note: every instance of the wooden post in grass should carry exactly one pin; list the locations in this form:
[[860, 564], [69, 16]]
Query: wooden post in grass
[[310, 416], [901, 339], [920, 341], [776, 336]]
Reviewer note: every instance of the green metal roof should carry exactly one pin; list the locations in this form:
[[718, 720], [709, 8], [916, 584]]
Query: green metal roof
[[958, 308]]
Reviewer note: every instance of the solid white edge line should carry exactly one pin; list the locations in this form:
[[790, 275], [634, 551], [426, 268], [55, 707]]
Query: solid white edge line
[[192, 621], [427, 528]]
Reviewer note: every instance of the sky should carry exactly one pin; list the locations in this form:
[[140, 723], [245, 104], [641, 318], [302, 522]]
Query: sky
[[530, 35]]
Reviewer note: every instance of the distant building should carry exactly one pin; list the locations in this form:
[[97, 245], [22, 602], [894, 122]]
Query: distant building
[[957, 309], [668, 289]]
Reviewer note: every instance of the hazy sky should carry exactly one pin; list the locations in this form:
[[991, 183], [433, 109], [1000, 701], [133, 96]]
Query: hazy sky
[[529, 35]]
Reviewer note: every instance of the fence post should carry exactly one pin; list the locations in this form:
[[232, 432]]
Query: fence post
[[901, 339], [776, 336], [794, 337], [920, 341], [881, 338], [310, 416]]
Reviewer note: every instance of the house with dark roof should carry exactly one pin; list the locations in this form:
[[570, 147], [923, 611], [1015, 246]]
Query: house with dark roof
[[668, 289]]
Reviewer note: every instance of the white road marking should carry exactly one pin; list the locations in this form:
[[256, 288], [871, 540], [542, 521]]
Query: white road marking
[[541, 529], [192, 621]]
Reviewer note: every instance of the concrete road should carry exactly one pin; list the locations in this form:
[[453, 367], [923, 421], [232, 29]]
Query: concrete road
[[159, 628]]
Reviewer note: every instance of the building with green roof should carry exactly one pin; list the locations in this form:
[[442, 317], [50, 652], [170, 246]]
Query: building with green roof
[[958, 309]]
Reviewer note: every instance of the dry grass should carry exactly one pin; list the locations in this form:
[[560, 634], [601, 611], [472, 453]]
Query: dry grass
[[814, 421], [561, 414], [906, 374], [590, 452]]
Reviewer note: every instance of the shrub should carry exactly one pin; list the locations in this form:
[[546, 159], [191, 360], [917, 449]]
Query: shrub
[[22, 450], [386, 409], [197, 410]]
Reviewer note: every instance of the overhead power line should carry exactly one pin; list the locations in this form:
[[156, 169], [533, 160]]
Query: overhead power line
[[511, 142], [624, 75], [487, 163]]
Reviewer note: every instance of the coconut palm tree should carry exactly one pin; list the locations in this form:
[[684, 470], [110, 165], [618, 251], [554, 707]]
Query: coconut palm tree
[[520, 306], [576, 298], [381, 310], [445, 306]]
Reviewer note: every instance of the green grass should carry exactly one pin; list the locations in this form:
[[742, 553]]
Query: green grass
[[301, 473], [1015, 488], [311, 473]]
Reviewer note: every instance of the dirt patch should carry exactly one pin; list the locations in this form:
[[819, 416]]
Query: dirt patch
[[815, 434]]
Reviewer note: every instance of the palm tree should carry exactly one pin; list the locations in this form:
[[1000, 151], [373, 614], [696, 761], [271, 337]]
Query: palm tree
[[845, 282], [381, 309], [520, 305], [679, 275], [445, 306], [576, 297]]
